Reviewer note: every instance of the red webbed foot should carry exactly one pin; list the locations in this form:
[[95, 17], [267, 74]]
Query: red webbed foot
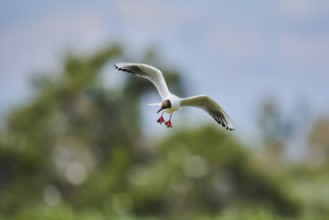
[[168, 124], [161, 120]]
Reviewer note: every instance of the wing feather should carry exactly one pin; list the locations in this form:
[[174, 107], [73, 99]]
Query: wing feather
[[211, 107], [149, 72]]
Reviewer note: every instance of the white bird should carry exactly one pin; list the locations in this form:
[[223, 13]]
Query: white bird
[[170, 102]]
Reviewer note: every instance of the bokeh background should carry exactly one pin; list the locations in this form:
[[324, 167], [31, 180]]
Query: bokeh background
[[78, 141]]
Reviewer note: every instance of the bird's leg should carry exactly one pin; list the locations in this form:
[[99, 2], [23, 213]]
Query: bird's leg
[[161, 119], [168, 123]]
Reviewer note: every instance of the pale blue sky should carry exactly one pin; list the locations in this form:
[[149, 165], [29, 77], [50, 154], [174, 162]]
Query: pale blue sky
[[238, 52]]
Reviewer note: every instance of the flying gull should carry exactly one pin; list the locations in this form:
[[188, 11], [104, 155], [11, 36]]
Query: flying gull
[[170, 102]]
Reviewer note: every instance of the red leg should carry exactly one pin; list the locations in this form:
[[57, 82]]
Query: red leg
[[168, 123], [161, 119]]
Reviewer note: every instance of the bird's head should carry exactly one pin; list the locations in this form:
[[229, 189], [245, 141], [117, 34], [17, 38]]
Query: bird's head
[[164, 105]]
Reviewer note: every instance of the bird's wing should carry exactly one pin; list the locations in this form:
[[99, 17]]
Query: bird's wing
[[210, 106], [149, 72]]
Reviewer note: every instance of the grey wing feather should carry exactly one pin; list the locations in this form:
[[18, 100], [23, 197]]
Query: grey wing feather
[[149, 72], [213, 108]]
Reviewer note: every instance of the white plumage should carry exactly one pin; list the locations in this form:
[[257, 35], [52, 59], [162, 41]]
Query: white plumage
[[170, 102]]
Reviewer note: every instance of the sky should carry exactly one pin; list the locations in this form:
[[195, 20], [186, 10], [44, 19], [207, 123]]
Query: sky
[[237, 52]]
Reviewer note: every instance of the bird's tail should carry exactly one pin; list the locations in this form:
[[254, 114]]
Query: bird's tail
[[155, 104]]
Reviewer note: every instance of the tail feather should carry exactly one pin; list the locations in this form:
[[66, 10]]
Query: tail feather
[[154, 104]]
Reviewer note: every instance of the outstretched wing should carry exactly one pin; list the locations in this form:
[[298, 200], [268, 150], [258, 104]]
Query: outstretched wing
[[210, 106], [149, 72]]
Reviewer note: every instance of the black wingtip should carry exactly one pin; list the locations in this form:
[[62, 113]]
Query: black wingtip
[[123, 69], [118, 68], [225, 126]]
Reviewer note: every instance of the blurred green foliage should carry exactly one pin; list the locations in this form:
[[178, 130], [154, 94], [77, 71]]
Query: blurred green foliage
[[76, 151]]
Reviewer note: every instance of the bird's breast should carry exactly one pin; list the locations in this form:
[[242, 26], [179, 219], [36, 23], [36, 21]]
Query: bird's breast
[[175, 104]]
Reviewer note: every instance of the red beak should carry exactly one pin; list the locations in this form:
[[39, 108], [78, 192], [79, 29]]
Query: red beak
[[160, 109]]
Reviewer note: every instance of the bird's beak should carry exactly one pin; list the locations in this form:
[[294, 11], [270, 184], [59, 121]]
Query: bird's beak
[[160, 109]]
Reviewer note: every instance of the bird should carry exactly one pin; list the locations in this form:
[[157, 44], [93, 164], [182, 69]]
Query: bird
[[170, 102]]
